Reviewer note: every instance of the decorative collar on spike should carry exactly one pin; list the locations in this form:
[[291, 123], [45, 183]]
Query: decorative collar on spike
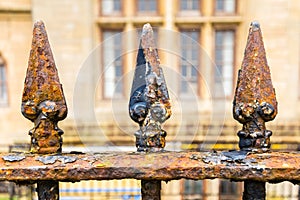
[[43, 101], [254, 101], [149, 104]]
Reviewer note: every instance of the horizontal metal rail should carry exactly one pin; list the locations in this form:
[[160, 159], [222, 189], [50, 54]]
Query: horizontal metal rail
[[271, 167]]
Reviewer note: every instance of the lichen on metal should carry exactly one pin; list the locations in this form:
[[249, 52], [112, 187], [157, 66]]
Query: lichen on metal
[[254, 101], [43, 101], [149, 104]]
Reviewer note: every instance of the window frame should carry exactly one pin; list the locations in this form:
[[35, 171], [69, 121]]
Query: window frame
[[224, 13], [228, 196], [147, 12], [112, 14], [226, 28], [189, 13], [193, 195], [198, 66], [102, 64], [4, 101]]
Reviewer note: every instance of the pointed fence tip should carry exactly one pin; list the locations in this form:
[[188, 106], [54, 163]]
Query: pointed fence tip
[[39, 27], [43, 101], [39, 22], [255, 26], [149, 104], [147, 29], [255, 99]]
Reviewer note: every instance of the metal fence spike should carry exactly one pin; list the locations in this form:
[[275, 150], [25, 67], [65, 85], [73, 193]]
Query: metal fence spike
[[254, 104], [254, 101], [43, 101], [149, 104]]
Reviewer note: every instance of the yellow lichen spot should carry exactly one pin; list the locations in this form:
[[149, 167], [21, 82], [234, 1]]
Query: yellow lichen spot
[[100, 165], [285, 165]]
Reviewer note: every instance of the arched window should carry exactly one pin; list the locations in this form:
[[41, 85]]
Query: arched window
[[3, 82]]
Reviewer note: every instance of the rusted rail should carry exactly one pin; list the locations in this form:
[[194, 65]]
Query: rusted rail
[[271, 167]]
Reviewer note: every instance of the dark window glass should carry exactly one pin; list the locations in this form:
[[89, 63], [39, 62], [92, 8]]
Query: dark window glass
[[229, 190], [193, 189], [186, 5], [147, 5]]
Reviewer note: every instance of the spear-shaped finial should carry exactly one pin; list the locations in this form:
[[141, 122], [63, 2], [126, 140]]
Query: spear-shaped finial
[[255, 101], [149, 104], [43, 101]]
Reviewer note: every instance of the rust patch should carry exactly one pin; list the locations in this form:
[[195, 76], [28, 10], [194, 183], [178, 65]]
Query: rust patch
[[254, 101], [151, 189], [43, 101]]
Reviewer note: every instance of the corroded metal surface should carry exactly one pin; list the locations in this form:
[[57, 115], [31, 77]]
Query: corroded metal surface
[[151, 190], [43, 101], [48, 190], [149, 104], [254, 190], [255, 101], [235, 165]]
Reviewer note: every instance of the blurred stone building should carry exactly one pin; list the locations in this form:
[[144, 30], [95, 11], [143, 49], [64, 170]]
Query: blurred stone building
[[201, 45]]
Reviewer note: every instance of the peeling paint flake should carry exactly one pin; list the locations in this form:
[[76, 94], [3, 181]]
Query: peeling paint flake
[[216, 158], [13, 157], [67, 159], [47, 159], [52, 159]]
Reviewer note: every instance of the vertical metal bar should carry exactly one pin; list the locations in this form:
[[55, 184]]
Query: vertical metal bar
[[254, 190], [149, 105], [255, 100], [151, 189], [48, 190], [254, 104], [43, 103]]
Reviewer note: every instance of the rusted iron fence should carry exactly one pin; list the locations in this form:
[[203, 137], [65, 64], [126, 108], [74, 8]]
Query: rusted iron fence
[[254, 104]]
